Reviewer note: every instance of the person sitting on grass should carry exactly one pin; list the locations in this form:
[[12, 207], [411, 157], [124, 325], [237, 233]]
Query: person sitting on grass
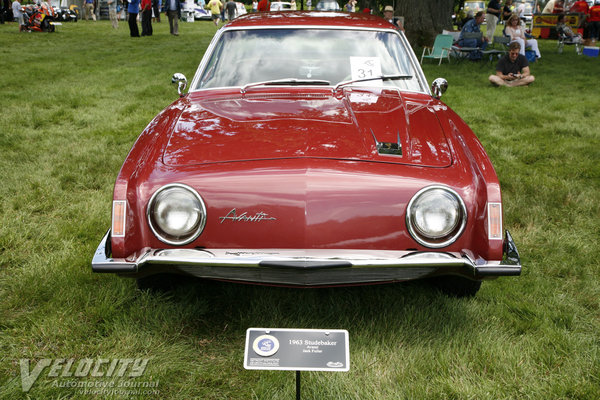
[[512, 69]]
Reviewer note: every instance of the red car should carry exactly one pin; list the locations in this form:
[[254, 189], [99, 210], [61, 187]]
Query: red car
[[309, 151]]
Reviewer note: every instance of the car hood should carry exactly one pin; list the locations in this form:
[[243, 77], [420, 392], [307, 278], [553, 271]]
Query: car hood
[[270, 125]]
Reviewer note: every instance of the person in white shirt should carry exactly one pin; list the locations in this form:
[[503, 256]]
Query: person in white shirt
[[18, 14], [515, 30]]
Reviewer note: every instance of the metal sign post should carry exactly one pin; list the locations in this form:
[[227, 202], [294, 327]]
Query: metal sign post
[[297, 350], [297, 385]]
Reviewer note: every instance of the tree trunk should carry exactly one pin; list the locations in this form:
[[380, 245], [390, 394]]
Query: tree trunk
[[424, 19]]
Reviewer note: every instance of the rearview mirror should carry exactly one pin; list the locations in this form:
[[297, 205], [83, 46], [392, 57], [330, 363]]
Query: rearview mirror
[[181, 82], [438, 87]]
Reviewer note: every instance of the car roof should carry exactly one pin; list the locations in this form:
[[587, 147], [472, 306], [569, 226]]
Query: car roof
[[310, 18]]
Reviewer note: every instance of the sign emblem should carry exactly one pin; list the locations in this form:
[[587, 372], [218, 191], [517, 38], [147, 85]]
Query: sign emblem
[[246, 217], [265, 345], [297, 349], [333, 364]]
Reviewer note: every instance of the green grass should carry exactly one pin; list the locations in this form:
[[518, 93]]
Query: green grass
[[73, 103]]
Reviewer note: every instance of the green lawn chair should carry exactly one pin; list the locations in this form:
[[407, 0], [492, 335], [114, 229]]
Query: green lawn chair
[[440, 50]]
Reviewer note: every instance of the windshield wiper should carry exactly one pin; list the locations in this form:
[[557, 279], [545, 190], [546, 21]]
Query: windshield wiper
[[374, 78], [286, 82]]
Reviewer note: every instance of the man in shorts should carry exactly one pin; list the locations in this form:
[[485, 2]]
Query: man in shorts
[[18, 14], [512, 69], [215, 7]]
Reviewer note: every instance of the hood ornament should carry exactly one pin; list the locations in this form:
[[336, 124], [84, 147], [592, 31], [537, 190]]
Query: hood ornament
[[388, 148]]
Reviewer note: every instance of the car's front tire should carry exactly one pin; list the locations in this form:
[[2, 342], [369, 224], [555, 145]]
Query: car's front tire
[[159, 282], [456, 286]]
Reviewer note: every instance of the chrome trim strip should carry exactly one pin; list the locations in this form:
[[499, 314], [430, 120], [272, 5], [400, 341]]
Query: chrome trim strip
[[103, 263], [344, 266]]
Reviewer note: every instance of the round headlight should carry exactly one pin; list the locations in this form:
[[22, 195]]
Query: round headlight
[[436, 216], [176, 214]]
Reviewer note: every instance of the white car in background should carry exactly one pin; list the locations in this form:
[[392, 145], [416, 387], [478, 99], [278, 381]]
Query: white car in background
[[240, 9], [201, 14], [190, 8], [525, 10], [281, 6], [328, 5]]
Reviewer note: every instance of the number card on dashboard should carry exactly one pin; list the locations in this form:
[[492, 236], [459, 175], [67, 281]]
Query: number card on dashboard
[[365, 67], [297, 349]]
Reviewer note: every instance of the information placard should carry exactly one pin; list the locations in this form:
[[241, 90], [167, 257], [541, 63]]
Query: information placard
[[297, 349]]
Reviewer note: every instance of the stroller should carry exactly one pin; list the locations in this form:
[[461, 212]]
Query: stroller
[[564, 39]]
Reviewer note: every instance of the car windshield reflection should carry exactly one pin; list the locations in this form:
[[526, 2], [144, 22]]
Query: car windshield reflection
[[244, 57]]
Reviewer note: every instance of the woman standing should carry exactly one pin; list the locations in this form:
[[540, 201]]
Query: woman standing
[[517, 34]]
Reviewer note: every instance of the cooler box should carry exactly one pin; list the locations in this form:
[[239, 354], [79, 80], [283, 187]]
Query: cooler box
[[591, 51]]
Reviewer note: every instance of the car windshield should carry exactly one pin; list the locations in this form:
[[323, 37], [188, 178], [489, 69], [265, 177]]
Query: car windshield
[[326, 56]]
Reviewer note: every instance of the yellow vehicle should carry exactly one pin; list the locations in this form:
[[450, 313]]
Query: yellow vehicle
[[468, 11]]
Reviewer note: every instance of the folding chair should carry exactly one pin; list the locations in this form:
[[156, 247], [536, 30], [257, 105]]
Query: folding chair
[[498, 48], [440, 50], [455, 35], [463, 52]]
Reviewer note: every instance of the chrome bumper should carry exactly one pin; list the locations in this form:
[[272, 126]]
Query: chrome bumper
[[305, 267]]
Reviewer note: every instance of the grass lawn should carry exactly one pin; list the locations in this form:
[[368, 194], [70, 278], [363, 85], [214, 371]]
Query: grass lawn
[[72, 104]]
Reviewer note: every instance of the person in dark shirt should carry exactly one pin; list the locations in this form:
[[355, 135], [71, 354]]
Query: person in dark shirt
[[472, 26], [512, 69], [492, 16], [230, 7], [146, 8]]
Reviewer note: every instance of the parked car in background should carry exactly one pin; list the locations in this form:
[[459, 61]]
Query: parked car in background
[[63, 14], [201, 14], [328, 5], [525, 10], [281, 6], [309, 151], [468, 11], [189, 9], [240, 9]]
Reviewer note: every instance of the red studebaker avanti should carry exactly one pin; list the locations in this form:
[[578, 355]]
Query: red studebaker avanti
[[309, 151]]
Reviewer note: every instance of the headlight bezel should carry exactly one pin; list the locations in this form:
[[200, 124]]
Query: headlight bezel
[[159, 232], [432, 241]]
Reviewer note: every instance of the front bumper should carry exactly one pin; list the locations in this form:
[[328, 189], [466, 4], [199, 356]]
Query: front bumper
[[298, 267]]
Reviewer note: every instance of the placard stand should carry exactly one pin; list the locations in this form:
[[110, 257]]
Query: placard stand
[[297, 350], [297, 385]]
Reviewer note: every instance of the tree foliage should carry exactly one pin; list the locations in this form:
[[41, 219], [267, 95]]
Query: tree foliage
[[423, 18]]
